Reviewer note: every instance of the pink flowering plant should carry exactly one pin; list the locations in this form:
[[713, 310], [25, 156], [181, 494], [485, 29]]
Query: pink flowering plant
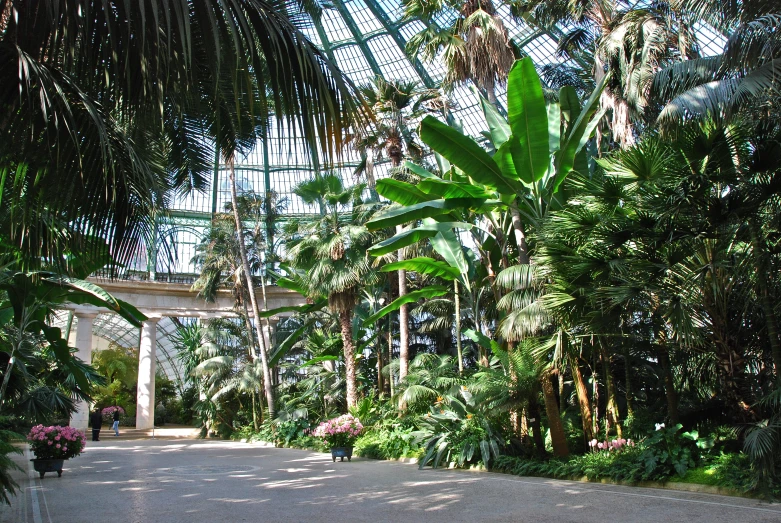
[[56, 442], [610, 445], [108, 412], [339, 432]]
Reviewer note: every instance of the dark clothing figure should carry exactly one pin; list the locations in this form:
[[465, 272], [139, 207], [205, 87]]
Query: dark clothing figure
[[97, 420], [115, 426]]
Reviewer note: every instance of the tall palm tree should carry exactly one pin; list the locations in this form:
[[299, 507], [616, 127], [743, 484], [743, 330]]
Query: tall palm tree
[[475, 47], [332, 249], [105, 107], [742, 79], [629, 42], [396, 107]]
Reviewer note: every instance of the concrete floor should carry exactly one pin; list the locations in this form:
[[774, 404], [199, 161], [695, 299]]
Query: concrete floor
[[170, 480]]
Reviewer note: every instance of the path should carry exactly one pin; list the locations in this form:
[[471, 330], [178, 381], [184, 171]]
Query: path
[[201, 480]]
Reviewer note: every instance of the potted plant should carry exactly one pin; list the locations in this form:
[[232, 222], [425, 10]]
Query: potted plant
[[340, 434], [53, 445]]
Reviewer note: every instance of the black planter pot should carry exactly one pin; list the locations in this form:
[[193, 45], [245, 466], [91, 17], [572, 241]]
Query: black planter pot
[[342, 452], [42, 466]]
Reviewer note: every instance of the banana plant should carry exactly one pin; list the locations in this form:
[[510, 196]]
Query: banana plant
[[536, 148]]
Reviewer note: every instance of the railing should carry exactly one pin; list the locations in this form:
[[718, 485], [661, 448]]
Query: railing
[[106, 275]]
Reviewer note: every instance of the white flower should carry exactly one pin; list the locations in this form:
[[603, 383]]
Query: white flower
[[659, 426]]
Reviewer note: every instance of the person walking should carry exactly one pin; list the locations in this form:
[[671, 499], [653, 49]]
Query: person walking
[[115, 426], [97, 421]]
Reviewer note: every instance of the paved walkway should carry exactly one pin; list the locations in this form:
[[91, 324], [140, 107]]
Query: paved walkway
[[170, 480]]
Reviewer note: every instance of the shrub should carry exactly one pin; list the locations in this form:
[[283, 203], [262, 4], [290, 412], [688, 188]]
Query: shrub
[[108, 412], [56, 442], [659, 457], [291, 430], [7, 484], [458, 431], [389, 443], [668, 452]]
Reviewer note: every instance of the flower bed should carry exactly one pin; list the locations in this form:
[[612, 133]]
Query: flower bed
[[56, 442]]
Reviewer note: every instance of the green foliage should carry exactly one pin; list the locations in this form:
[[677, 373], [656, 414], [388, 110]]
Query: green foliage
[[8, 486], [290, 430], [458, 430], [668, 452], [393, 442]]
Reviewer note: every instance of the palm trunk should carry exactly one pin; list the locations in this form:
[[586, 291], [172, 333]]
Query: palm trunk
[[391, 377], [630, 410], [765, 300], [345, 322], [611, 412], [520, 237], [458, 329], [380, 384], [557, 436], [517, 420], [251, 290], [669, 384], [403, 318], [534, 420], [583, 399]]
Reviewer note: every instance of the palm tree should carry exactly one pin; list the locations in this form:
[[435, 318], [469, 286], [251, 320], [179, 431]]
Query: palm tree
[[332, 249], [630, 43], [396, 107], [247, 275], [87, 94], [475, 47], [742, 79]]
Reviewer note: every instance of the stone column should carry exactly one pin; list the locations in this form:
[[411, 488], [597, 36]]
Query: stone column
[[147, 363], [84, 343]]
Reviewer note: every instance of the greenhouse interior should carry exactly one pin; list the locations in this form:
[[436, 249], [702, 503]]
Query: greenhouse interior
[[537, 239]]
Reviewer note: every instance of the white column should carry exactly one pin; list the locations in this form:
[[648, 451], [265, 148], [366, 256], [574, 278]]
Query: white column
[[84, 343], [147, 361]]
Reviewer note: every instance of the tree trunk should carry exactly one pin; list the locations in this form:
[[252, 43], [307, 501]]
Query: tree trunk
[[669, 383], [765, 300], [391, 377], [251, 291], [558, 438], [403, 318], [630, 409], [345, 321], [380, 380], [516, 411], [534, 420], [458, 329], [583, 399], [611, 412], [520, 237]]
